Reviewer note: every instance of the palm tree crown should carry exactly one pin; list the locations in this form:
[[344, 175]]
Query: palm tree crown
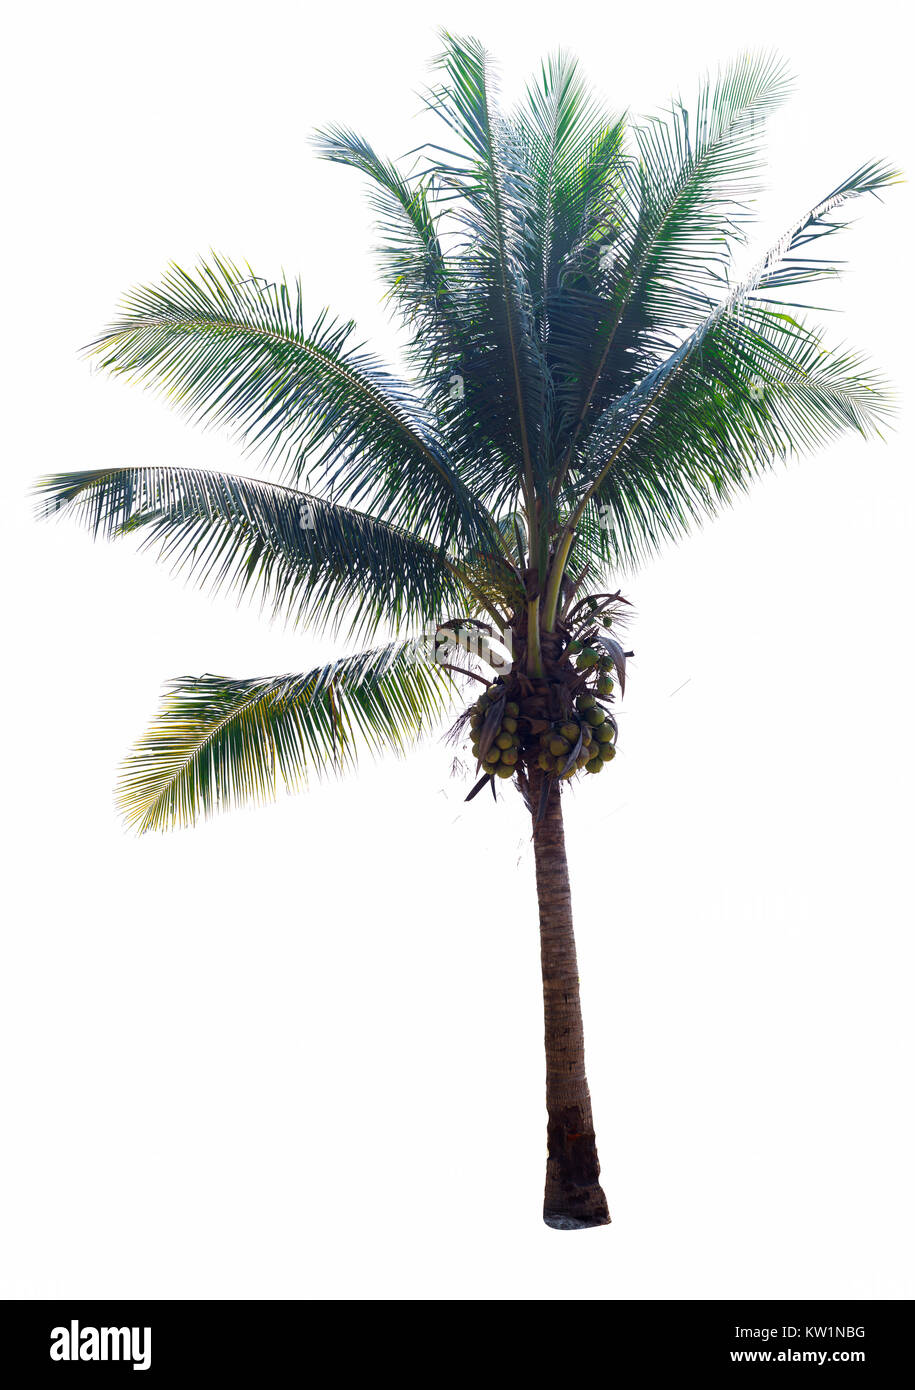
[[585, 382]]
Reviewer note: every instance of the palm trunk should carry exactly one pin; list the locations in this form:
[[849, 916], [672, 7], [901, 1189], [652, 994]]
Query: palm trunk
[[574, 1197]]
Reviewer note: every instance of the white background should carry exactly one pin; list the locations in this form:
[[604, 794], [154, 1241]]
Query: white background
[[297, 1052]]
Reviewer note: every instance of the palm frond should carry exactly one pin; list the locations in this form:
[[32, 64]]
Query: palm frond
[[233, 352], [506, 381], [634, 411], [762, 389], [306, 559], [219, 742], [411, 258], [686, 203], [574, 158]]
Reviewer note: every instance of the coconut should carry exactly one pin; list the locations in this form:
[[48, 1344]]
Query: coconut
[[595, 765], [509, 725], [587, 659], [595, 716], [509, 756], [504, 740], [604, 684], [503, 770], [512, 710], [607, 752], [559, 746], [544, 761], [586, 700], [493, 755], [570, 732]]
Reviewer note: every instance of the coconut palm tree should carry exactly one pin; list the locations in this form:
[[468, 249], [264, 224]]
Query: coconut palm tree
[[584, 379]]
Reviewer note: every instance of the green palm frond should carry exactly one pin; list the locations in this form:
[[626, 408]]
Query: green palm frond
[[686, 203], [634, 412], [219, 742], [411, 258], [306, 559], [762, 389], [234, 352], [506, 379], [574, 158], [574, 154]]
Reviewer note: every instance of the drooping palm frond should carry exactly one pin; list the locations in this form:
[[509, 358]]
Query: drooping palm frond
[[233, 352], [306, 559], [219, 742]]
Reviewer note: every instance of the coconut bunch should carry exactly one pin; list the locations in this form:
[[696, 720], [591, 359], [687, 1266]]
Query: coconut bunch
[[560, 723], [583, 742], [495, 737]]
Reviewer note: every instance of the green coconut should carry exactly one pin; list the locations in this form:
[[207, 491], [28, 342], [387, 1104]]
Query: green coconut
[[559, 746], [595, 765], [595, 716], [604, 733], [503, 770], [585, 700], [512, 710], [607, 752]]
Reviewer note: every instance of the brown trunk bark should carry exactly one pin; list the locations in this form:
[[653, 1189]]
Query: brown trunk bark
[[574, 1197]]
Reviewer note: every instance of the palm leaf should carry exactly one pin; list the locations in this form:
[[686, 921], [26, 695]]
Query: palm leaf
[[762, 389], [233, 352], [686, 199], [633, 413], [507, 383], [219, 742], [411, 257], [308, 560]]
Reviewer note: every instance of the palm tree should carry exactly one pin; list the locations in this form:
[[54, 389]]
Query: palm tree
[[584, 379]]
